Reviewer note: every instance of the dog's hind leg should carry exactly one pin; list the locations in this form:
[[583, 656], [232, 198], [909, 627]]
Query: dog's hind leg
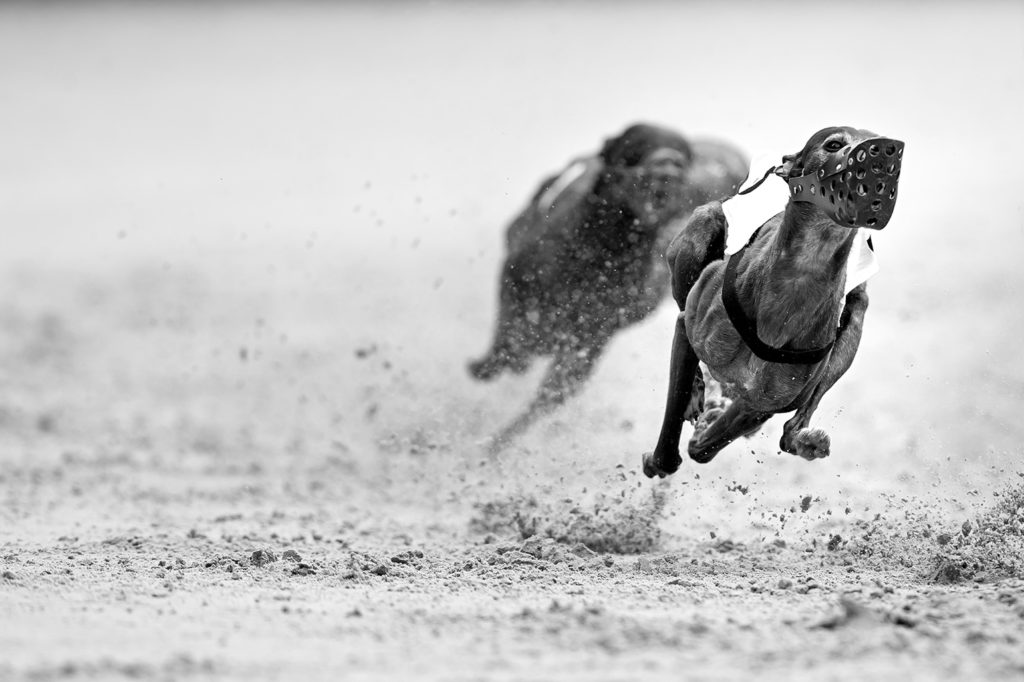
[[699, 243], [797, 438], [566, 376], [717, 428]]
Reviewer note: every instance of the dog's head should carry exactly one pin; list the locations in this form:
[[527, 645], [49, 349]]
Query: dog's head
[[645, 172], [850, 173]]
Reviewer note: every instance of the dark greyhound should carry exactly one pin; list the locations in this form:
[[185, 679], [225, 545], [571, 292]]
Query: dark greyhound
[[771, 322], [585, 257]]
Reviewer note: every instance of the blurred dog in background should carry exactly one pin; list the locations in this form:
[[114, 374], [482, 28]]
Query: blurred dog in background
[[585, 258]]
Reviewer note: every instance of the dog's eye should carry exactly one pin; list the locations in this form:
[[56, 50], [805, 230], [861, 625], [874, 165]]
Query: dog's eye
[[833, 146]]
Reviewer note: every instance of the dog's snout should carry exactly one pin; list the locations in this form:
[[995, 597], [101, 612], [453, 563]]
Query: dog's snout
[[857, 183]]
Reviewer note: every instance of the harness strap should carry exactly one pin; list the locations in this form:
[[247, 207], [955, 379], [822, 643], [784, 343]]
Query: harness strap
[[747, 326], [759, 182]]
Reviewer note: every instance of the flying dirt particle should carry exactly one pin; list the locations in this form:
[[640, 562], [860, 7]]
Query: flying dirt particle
[[46, 423], [833, 543], [7, 575], [366, 351], [291, 555], [966, 528], [737, 488], [943, 538], [805, 503], [262, 557], [779, 543]]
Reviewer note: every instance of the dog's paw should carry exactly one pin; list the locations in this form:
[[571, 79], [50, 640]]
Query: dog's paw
[[485, 369], [811, 444], [653, 468]]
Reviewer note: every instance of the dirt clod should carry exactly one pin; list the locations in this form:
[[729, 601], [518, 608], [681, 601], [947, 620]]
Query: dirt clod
[[946, 573], [849, 612], [291, 555], [262, 557], [610, 523]]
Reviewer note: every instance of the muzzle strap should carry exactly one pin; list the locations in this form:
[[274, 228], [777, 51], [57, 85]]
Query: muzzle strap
[[759, 182]]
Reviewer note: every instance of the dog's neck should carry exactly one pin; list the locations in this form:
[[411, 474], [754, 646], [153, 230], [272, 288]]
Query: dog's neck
[[801, 279]]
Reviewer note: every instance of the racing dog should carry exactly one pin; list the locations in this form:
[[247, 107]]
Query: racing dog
[[585, 257], [771, 322]]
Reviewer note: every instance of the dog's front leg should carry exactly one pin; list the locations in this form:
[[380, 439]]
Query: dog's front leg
[[797, 438], [682, 371], [700, 242]]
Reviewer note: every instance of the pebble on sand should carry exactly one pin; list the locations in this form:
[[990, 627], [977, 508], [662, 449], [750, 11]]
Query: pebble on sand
[[262, 557]]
